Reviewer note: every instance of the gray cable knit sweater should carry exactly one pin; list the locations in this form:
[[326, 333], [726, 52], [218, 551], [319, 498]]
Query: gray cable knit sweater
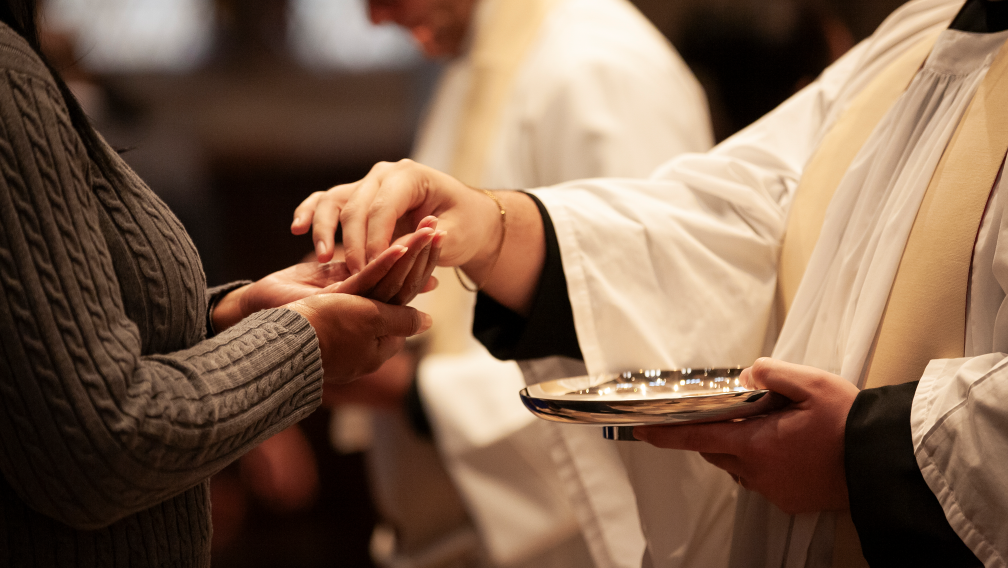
[[114, 408]]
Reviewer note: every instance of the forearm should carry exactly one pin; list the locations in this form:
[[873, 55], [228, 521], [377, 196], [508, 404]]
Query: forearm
[[126, 436]]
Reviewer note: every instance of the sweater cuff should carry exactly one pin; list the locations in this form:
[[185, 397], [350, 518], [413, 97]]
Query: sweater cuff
[[898, 518]]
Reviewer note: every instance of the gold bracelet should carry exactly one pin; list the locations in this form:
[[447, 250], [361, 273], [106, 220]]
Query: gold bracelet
[[500, 246]]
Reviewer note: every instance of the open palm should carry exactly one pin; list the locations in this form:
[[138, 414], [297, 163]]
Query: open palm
[[395, 276], [293, 283]]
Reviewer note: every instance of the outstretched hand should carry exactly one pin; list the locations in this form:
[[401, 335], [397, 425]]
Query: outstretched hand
[[793, 457], [387, 203]]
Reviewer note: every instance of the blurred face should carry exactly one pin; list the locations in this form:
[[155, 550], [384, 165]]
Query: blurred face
[[439, 26]]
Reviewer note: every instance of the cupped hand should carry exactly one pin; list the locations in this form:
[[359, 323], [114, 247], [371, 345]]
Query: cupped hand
[[391, 199], [396, 276], [793, 457], [410, 274], [356, 335]]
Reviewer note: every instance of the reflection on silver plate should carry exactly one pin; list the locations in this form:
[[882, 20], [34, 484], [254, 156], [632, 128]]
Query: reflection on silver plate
[[649, 397]]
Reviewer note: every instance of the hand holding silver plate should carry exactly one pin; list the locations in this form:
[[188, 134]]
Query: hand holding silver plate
[[620, 401]]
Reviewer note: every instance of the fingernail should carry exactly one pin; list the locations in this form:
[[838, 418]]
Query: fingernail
[[439, 238], [319, 248], [402, 250], [425, 322], [297, 221]]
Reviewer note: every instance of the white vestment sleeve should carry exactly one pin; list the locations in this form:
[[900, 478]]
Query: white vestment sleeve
[[690, 284], [959, 423], [959, 418]]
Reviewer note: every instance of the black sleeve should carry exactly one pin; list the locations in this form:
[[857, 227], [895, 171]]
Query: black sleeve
[[898, 518], [416, 414], [549, 327]]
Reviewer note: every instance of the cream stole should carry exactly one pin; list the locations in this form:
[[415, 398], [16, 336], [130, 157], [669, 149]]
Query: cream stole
[[503, 36], [925, 317], [498, 52]]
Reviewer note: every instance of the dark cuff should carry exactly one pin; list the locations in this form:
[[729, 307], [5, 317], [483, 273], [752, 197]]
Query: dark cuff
[[214, 295], [898, 518], [549, 327], [415, 413]]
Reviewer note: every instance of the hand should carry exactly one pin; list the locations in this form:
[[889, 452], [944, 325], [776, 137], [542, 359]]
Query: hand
[[409, 276], [384, 388], [794, 457], [356, 335], [398, 274], [387, 202]]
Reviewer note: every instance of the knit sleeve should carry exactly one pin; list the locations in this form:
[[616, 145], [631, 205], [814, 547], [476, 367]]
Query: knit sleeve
[[92, 430]]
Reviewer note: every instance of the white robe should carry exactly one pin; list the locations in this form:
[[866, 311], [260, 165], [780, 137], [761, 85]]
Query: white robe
[[839, 304], [600, 93], [692, 284]]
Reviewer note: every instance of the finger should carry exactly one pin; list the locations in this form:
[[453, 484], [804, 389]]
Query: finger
[[431, 285], [393, 282], [429, 221], [364, 281], [791, 380], [387, 207], [355, 219], [304, 213], [402, 321], [324, 223], [411, 284], [435, 256], [420, 278], [728, 462], [716, 437]]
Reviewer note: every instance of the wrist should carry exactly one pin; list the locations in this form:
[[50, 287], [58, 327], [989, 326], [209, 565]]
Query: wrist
[[491, 213], [228, 310]]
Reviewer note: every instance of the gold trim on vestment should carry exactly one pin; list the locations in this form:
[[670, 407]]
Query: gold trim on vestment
[[498, 51]]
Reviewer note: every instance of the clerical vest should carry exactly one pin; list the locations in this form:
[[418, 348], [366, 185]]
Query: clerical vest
[[925, 316]]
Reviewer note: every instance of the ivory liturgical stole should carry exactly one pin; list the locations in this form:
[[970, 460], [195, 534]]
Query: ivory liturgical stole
[[925, 317], [501, 43], [497, 55]]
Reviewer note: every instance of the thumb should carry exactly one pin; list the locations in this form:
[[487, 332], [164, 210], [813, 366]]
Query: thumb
[[403, 321], [788, 379]]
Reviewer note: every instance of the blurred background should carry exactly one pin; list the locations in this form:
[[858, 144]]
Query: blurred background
[[234, 110]]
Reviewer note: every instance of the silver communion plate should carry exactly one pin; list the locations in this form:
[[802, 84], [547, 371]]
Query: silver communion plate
[[644, 397]]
